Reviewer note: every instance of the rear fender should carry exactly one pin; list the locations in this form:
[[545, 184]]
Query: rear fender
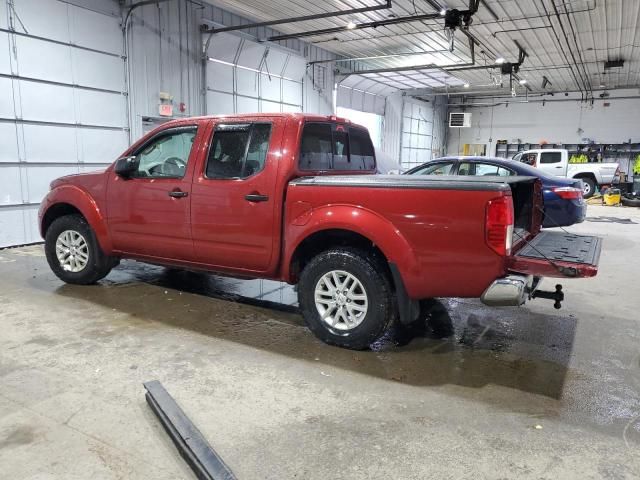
[[85, 203], [370, 225]]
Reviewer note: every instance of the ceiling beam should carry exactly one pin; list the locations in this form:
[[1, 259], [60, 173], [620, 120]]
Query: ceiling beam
[[304, 18], [358, 26]]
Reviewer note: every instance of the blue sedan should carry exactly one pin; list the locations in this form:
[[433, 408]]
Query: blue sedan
[[563, 202]]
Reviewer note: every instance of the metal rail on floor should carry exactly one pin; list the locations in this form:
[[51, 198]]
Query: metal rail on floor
[[191, 444]]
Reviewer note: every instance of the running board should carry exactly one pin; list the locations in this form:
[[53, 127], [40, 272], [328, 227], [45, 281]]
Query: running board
[[191, 445]]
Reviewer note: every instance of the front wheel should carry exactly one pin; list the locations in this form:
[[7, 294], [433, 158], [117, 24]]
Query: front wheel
[[73, 253], [346, 297]]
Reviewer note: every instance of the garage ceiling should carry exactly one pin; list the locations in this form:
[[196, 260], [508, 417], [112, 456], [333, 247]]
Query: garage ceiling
[[568, 42]]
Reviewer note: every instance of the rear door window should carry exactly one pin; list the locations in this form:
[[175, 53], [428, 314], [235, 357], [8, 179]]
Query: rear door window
[[327, 146], [483, 169], [238, 150], [551, 157]]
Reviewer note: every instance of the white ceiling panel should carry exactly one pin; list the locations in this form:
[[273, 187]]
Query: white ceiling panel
[[573, 59]]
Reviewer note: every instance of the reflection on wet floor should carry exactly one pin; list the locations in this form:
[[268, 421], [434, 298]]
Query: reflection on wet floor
[[457, 341], [517, 359]]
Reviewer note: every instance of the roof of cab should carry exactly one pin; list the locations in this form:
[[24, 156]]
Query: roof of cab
[[248, 116]]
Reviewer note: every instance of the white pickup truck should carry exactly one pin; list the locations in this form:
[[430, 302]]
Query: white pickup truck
[[556, 162]]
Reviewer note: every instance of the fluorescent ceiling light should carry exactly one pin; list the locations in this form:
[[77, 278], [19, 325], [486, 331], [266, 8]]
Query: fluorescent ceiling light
[[523, 81], [466, 85], [443, 12], [500, 60], [351, 25]]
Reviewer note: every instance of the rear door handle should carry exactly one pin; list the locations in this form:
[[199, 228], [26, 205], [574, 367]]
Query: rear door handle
[[256, 197], [178, 194]]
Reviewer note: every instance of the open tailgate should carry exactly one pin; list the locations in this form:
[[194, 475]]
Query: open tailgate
[[558, 254]]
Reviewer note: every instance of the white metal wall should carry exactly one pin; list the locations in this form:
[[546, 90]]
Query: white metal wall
[[244, 76], [613, 119], [62, 103], [361, 100], [163, 49]]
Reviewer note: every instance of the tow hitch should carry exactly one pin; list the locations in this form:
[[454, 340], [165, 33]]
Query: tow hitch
[[558, 296]]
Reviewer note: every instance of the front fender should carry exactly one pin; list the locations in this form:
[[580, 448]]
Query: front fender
[[383, 233], [80, 199]]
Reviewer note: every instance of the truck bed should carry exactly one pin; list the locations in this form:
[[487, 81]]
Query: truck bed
[[429, 182], [434, 226]]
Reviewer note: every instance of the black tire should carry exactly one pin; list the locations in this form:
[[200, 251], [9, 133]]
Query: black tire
[[372, 275], [589, 187], [98, 264], [630, 202]]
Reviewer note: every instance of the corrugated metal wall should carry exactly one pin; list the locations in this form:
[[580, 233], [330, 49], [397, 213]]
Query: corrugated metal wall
[[440, 127], [163, 45], [164, 48], [392, 129], [244, 76], [415, 131]]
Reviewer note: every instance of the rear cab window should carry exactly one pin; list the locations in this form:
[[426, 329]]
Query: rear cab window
[[550, 157], [334, 147]]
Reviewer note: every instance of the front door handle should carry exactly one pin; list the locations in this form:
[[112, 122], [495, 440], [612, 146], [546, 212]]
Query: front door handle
[[178, 194], [256, 197]]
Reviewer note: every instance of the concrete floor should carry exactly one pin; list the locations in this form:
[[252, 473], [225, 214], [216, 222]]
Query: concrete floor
[[480, 393]]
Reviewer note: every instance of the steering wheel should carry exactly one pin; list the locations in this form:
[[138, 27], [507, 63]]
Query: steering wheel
[[173, 166]]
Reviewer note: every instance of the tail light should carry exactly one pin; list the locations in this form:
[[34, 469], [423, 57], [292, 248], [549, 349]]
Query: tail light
[[499, 225], [567, 193]]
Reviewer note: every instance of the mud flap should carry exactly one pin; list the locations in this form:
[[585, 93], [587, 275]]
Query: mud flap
[[408, 309]]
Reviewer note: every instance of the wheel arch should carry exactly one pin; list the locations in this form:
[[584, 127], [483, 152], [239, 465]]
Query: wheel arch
[[69, 200], [327, 239], [589, 175], [347, 225], [55, 211]]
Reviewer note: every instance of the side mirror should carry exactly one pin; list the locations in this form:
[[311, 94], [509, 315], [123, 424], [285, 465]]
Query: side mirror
[[126, 166]]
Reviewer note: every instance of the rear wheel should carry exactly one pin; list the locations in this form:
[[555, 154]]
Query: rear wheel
[[346, 297], [73, 252], [588, 187]]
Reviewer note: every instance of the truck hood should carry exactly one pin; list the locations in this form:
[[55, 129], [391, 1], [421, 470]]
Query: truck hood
[[94, 182], [86, 180]]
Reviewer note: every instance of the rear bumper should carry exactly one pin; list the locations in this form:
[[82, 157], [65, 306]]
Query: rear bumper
[[510, 291]]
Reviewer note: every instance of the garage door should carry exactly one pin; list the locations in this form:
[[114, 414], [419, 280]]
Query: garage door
[[62, 103], [244, 76], [417, 134]]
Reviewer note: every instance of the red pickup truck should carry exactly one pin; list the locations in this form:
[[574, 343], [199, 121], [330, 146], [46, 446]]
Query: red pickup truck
[[295, 197]]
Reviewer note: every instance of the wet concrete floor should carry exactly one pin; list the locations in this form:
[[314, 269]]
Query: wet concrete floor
[[474, 392]]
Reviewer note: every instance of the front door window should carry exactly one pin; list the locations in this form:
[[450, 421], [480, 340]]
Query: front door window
[[166, 156]]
